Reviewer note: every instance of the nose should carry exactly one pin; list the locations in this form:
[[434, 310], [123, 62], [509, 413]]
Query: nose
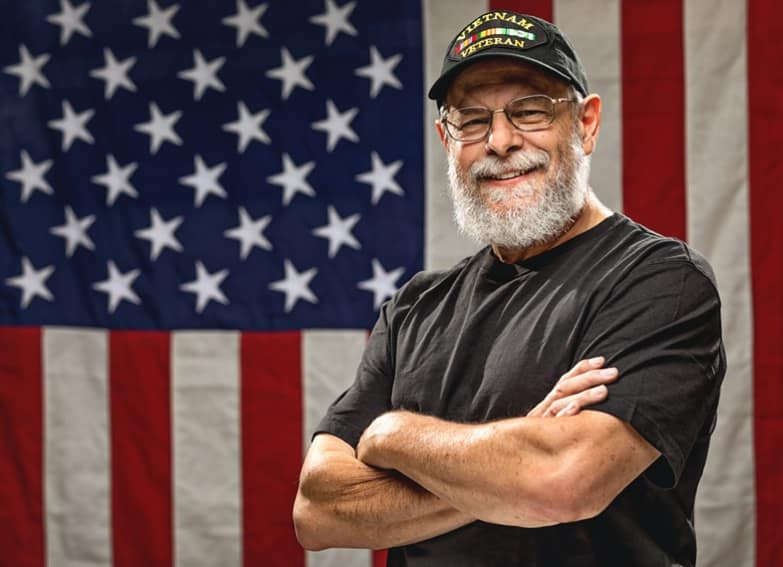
[[503, 138]]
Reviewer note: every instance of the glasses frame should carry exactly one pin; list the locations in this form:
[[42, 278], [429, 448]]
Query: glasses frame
[[504, 110]]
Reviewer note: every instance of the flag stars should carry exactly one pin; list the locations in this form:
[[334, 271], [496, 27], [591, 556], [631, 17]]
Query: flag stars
[[160, 234], [382, 284], [206, 286], [205, 181], [293, 179], [115, 74], [246, 21], [73, 126], [32, 282], [29, 70], [292, 73], [335, 20], [338, 232], [295, 285], [337, 125], [381, 177], [248, 127], [203, 74], [118, 286], [116, 180], [160, 128], [158, 22], [70, 20], [250, 233], [31, 176], [74, 231], [380, 71]]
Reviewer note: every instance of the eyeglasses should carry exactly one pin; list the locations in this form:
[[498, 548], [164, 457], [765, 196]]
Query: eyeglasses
[[528, 114]]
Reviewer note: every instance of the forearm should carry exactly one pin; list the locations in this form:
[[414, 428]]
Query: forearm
[[345, 503], [457, 463], [527, 472]]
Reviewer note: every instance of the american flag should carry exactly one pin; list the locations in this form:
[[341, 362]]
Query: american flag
[[204, 204]]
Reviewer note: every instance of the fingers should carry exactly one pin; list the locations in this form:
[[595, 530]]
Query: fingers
[[583, 385]]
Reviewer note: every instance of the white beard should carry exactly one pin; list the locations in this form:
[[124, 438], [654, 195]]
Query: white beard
[[544, 216]]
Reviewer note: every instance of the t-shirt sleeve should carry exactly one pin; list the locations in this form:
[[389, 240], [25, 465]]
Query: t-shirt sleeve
[[370, 394], [661, 328]]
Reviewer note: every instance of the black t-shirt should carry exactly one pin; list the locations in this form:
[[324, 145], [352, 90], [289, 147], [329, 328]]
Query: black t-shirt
[[486, 340]]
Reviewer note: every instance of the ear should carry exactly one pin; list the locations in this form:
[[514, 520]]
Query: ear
[[590, 122], [439, 128]]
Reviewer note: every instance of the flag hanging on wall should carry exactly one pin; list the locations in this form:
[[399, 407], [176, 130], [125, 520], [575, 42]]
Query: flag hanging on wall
[[203, 205]]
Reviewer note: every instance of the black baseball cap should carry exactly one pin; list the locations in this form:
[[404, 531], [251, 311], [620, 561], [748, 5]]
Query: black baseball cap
[[502, 33]]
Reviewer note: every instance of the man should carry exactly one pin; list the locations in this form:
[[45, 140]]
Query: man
[[434, 451]]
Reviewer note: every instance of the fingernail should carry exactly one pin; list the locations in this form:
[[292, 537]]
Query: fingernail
[[597, 360], [608, 372], [598, 391]]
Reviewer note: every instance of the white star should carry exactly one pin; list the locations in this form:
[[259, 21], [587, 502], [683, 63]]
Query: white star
[[160, 128], [70, 20], [338, 231], [158, 22], [206, 286], [31, 176], [337, 125], [246, 21], [293, 179], [381, 178], [382, 284], [248, 127], [295, 286], [250, 232], [205, 181], [116, 180], [292, 73], [335, 20], [380, 71], [118, 286], [115, 73], [74, 231], [73, 125], [32, 282], [204, 74], [29, 70], [160, 234]]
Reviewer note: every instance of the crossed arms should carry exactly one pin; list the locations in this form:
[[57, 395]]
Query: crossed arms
[[413, 477]]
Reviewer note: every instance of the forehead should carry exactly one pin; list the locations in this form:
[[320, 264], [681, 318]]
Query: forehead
[[501, 72]]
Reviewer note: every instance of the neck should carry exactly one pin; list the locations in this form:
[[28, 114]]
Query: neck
[[591, 214]]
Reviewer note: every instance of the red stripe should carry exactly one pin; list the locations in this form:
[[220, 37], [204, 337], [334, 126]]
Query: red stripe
[[379, 558], [653, 93], [765, 88], [140, 376], [21, 448], [271, 447], [541, 8]]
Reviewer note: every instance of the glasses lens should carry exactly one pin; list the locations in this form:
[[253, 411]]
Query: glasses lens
[[531, 112], [468, 123]]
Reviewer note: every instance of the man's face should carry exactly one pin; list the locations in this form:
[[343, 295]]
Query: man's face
[[515, 189]]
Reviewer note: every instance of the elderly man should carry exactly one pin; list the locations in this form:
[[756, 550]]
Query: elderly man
[[434, 451]]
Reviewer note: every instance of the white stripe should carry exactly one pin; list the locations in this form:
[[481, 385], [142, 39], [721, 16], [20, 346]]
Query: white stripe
[[444, 245], [76, 448], [329, 362], [717, 172], [594, 29], [207, 483]]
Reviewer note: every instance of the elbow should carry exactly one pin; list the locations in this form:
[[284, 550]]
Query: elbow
[[306, 527], [568, 499]]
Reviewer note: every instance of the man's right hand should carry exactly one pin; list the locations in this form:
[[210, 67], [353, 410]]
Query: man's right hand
[[583, 385]]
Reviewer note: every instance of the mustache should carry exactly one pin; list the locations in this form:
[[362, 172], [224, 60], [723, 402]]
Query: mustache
[[491, 166]]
